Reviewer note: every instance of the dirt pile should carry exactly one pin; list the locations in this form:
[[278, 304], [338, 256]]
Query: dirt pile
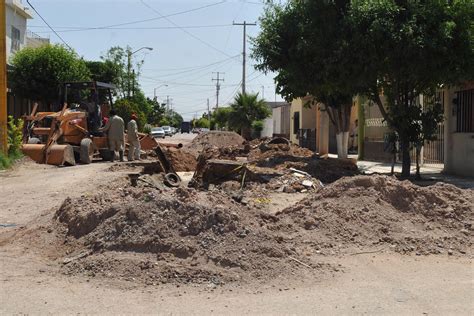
[[181, 159], [188, 236], [270, 162], [218, 139], [379, 210]]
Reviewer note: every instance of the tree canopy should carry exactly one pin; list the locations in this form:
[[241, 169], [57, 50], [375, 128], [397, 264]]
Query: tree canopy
[[412, 48], [245, 109], [38, 72], [333, 50]]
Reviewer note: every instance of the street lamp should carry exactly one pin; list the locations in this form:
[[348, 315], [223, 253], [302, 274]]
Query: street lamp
[[129, 64], [154, 90]]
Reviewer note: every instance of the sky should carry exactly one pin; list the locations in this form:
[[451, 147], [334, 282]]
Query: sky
[[191, 40]]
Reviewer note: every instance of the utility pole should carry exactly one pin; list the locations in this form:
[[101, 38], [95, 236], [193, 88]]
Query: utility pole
[[244, 53], [208, 113], [218, 86], [3, 80], [263, 92]]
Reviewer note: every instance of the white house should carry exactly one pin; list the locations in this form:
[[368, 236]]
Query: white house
[[16, 25]]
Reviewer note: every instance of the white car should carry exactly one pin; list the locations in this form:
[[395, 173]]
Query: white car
[[168, 131], [157, 132]]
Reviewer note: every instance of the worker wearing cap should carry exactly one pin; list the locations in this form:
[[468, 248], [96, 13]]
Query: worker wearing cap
[[132, 137], [115, 132]]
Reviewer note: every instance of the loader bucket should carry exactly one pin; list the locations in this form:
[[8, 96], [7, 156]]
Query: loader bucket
[[59, 155]]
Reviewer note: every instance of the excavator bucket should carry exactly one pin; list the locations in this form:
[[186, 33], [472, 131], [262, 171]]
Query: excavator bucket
[[58, 155]]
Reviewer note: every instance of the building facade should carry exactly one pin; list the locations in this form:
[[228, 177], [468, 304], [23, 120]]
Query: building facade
[[16, 15]]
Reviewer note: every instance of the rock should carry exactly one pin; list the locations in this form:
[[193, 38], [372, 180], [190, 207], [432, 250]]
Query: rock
[[307, 183]]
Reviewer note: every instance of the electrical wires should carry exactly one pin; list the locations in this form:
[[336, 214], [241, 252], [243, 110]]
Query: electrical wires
[[29, 3]]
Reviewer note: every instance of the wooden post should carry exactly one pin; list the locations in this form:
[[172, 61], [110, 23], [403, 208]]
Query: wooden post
[[3, 80]]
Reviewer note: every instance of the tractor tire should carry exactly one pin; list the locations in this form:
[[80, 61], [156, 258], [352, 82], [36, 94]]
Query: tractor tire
[[87, 151], [34, 140], [172, 180]]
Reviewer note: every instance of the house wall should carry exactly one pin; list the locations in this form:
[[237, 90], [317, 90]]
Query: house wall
[[276, 117], [296, 106], [267, 128], [16, 15], [459, 147]]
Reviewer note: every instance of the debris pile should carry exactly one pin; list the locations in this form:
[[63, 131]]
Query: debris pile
[[284, 166], [183, 235], [188, 236], [218, 139], [371, 211]]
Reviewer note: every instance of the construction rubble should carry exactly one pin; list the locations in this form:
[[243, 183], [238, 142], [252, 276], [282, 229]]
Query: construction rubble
[[253, 211]]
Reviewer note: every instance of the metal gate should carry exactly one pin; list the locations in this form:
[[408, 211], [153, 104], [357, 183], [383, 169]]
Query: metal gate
[[432, 152], [307, 138]]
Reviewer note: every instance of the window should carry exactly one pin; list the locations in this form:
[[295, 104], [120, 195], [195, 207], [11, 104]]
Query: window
[[15, 39], [296, 122], [464, 105]]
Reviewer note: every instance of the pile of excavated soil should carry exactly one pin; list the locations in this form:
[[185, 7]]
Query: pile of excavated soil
[[181, 159], [281, 151], [371, 211], [182, 235], [215, 138], [185, 237]]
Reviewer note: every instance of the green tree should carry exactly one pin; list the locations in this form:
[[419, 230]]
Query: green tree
[[201, 122], [411, 48], [125, 80], [125, 108], [245, 109], [157, 112], [39, 72], [104, 71], [221, 116], [310, 47]]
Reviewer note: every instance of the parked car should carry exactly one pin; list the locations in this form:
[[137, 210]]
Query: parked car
[[168, 131], [157, 132], [174, 130]]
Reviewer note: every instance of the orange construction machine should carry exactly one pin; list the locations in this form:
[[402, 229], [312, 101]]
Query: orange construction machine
[[72, 135]]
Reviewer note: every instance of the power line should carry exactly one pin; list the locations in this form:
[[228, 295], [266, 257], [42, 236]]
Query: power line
[[77, 29], [184, 30], [49, 25], [191, 67]]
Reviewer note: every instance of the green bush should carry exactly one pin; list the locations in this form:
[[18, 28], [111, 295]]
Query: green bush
[[14, 138], [257, 126], [5, 161]]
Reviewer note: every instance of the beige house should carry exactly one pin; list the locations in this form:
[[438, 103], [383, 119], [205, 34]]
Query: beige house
[[459, 130]]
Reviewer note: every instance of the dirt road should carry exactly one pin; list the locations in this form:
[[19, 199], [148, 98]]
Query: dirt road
[[381, 283]]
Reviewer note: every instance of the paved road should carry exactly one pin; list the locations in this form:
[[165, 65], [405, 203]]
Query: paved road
[[180, 138]]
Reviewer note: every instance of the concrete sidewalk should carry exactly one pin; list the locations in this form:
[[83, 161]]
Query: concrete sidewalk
[[429, 173]]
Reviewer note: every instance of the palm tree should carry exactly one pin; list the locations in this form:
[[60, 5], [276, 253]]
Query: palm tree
[[246, 109]]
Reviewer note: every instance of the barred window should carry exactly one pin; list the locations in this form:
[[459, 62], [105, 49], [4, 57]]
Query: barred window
[[15, 39], [464, 111]]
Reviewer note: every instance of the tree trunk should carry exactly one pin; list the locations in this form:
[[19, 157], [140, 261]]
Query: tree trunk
[[340, 117], [342, 140], [418, 153], [406, 161], [245, 133]]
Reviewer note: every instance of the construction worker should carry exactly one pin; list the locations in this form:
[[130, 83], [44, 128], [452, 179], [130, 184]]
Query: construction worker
[[132, 137], [115, 132]]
